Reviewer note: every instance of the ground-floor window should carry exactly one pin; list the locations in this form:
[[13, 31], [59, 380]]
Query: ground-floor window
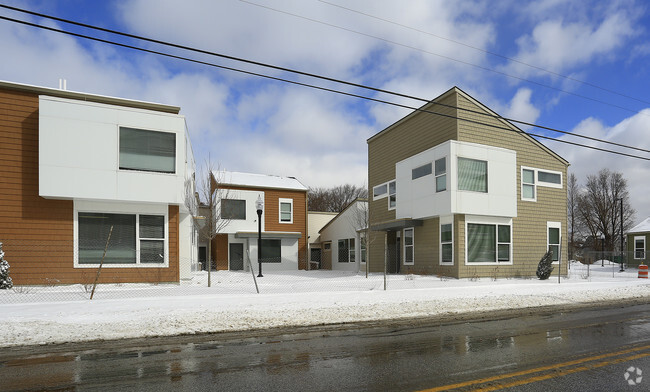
[[446, 244], [347, 251], [134, 239], [553, 239], [408, 247], [271, 251], [488, 243], [639, 247]]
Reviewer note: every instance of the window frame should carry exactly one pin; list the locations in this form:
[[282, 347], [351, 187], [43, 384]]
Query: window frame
[[405, 246], [442, 174], [138, 238], [422, 171], [558, 226], [232, 200], [392, 197], [537, 183], [449, 242], [285, 201], [384, 193], [487, 170], [131, 169], [347, 253], [524, 184], [636, 252], [490, 222]]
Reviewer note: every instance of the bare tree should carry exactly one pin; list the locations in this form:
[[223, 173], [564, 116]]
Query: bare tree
[[334, 199], [599, 208], [204, 203], [573, 192]]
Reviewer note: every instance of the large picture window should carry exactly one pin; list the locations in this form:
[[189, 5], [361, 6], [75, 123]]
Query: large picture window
[[233, 209], [488, 243], [472, 175], [135, 239], [271, 251], [147, 150]]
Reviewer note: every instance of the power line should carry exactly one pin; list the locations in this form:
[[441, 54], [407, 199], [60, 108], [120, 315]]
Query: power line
[[444, 57], [487, 52], [328, 89]]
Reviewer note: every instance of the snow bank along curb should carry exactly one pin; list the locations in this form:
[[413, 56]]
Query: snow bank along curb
[[44, 323]]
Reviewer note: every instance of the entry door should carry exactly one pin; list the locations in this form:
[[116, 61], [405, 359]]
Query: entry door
[[203, 260], [236, 257]]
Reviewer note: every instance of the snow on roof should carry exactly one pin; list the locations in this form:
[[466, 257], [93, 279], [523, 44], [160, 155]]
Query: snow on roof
[[641, 227], [259, 180]]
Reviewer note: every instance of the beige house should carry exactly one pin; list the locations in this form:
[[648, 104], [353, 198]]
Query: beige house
[[638, 239], [457, 191]]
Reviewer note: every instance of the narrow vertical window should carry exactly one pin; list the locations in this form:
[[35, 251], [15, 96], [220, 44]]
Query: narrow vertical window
[[286, 210], [503, 243], [392, 195], [352, 253], [152, 239], [528, 184], [408, 246], [446, 244], [362, 247], [344, 251], [441, 174], [554, 239], [639, 247]]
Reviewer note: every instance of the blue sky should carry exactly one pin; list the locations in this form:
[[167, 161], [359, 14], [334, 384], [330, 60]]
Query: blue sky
[[585, 71]]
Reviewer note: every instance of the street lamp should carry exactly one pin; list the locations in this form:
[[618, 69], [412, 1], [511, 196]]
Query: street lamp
[[259, 205], [622, 243], [602, 250]]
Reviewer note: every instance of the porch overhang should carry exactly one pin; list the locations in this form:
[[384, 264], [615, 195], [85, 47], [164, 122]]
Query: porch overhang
[[269, 234], [396, 225]]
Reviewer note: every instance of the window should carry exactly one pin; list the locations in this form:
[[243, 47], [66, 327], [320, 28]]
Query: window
[[446, 244], [553, 236], [639, 247], [421, 171], [362, 247], [528, 184], [532, 178], [346, 251], [392, 195], [135, 239], [472, 175], [441, 174], [328, 246], [488, 243], [233, 209], [271, 251], [380, 191], [147, 150], [408, 246], [286, 210]]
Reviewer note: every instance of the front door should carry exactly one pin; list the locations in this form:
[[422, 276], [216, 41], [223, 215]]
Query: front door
[[236, 257], [203, 260]]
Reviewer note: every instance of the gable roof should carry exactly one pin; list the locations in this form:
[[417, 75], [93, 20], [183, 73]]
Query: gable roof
[[252, 180], [429, 107], [353, 202], [642, 227]]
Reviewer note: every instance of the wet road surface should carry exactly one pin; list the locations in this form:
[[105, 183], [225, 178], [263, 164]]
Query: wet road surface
[[578, 350]]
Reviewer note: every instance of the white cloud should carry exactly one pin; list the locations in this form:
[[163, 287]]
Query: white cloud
[[521, 108]]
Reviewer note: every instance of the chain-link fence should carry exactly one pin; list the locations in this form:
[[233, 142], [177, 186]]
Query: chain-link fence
[[48, 281]]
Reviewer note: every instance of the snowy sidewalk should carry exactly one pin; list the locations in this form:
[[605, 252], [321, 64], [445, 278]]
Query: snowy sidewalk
[[189, 312]]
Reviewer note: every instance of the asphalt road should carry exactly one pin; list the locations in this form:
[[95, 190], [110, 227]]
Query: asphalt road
[[587, 349]]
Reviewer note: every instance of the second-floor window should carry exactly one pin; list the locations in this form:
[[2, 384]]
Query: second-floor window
[[286, 210], [233, 209], [392, 195], [145, 150], [441, 174], [532, 178], [472, 175]]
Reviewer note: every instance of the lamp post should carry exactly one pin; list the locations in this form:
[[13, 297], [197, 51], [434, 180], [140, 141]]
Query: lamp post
[[602, 250], [259, 205], [622, 258]]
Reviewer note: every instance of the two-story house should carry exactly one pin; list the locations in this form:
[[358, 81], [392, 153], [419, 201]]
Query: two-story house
[[284, 223], [76, 168], [456, 190]]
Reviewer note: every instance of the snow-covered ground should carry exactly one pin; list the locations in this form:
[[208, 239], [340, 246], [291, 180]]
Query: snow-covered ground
[[64, 314]]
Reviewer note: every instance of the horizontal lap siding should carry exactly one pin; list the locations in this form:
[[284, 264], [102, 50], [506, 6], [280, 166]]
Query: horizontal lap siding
[[37, 233], [529, 227]]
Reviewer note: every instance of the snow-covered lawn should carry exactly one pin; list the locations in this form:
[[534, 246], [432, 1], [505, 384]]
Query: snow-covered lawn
[[64, 314]]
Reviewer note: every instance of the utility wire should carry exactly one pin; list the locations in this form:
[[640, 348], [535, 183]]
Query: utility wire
[[486, 51], [328, 89], [299, 73], [443, 56]]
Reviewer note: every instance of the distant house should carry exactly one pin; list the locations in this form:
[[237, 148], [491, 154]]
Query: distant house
[[458, 191], [73, 166], [284, 222], [638, 239], [317, 220], [343, 239]]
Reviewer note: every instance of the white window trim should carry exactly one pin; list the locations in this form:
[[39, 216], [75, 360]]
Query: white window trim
[[554, 225], [111, 208], [448, 221], [404, 246], [534, 184], [280, 201], [389, 195], [639, 237], [489, 220], [380, 196], [539, 183]]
